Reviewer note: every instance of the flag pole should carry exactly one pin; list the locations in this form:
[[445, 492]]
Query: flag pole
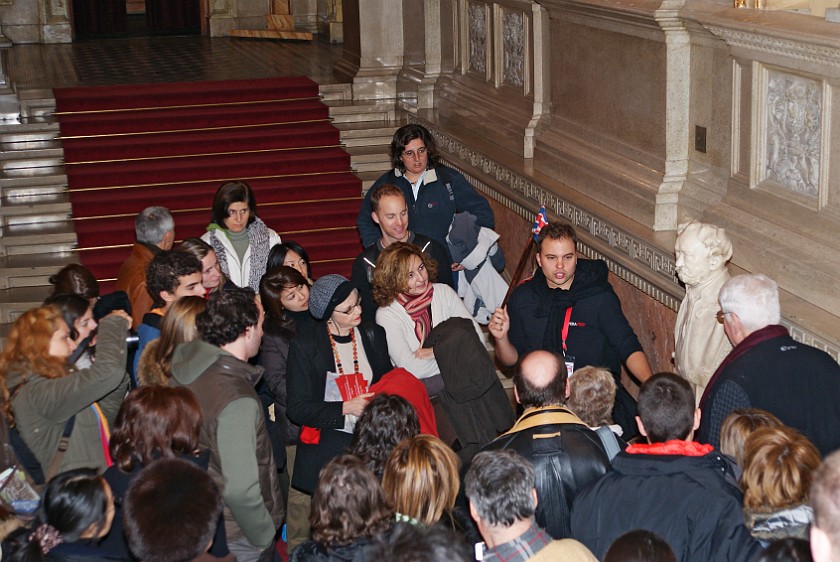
[[524, 258]]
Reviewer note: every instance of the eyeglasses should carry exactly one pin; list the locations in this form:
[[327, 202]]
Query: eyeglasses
[[721, 315], [352, 308], [410, 154]]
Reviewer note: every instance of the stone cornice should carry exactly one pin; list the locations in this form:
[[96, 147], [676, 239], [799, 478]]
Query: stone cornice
[[789, 48]]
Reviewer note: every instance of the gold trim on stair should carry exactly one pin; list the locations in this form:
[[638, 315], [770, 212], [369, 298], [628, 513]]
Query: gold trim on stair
[[198, 155], [262, 205], [167, 131], [214, 180], [153, 108]]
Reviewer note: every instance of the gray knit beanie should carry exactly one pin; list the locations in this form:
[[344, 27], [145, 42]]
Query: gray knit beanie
[[326, 293]]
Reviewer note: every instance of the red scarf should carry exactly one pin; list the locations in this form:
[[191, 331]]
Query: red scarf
[[673, 447], [419, 308], [752, 340]]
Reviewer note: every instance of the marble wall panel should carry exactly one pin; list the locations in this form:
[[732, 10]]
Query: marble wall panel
[[610, 83]]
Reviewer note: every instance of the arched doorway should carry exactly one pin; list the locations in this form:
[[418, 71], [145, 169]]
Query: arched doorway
[[96, 19]]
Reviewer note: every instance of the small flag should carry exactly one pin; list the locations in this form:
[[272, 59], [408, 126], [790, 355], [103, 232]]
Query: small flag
[[539, 222]]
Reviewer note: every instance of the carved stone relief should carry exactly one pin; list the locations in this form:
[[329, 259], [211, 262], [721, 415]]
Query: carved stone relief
[[56, 11], [513, 29], [221, 7], [478, 37], [793, 133]]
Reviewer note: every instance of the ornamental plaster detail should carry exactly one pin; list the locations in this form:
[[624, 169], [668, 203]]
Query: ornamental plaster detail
[[788, 48], [478, 37], [513, 29], [793, 138]]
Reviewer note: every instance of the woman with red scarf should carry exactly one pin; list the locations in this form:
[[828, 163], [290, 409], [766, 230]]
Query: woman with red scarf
[[410, 305]]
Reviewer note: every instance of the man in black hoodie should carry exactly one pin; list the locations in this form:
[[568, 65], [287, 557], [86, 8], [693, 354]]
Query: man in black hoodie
[[570, 308]]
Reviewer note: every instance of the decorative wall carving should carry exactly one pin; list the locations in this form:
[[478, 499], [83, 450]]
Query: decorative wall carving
[[478, 37], [514, 36], [56, 11], [793, 133], [221, 7]]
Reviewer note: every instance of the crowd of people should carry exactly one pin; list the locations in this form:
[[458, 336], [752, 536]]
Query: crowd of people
[[267, 413]]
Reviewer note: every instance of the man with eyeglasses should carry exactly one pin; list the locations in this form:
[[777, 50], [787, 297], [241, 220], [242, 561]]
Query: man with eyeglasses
[[768, 369], [702, 251], [434, 192]]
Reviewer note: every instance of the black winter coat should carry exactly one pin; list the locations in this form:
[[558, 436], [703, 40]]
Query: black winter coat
[[310, 357], [690, 501]]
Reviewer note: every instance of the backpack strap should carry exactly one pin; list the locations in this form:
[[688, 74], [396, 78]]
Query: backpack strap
[[62, 448], [609, 440], [29, 461], [444, 179]]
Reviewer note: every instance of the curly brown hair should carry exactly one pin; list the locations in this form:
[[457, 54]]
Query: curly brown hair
[[28, 351], [348, 503], [390, 277], [592, 395]]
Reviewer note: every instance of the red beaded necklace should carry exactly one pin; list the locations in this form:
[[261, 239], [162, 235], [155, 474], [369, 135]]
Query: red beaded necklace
[[338, 366]]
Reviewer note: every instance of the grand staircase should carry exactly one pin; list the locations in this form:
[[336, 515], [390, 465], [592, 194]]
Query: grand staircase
[[38, 232]]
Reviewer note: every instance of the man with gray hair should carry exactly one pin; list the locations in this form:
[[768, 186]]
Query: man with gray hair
[[154, 230], [825, 499], [500, 486], [768, 369]]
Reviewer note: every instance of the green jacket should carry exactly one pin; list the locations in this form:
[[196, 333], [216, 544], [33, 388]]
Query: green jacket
[[42, 406], [234, 430]]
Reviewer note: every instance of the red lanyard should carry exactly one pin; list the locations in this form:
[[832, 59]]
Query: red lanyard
[[565, 333]]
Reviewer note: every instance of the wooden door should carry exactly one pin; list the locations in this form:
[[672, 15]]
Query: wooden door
[[173, 16]]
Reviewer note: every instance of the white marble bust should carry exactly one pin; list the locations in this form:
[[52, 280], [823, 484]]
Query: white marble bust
[[702, 251]]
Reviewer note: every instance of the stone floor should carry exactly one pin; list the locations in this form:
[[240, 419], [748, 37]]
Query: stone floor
[[166, 59]]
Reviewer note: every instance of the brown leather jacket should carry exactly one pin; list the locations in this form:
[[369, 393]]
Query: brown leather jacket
[[132, 280]]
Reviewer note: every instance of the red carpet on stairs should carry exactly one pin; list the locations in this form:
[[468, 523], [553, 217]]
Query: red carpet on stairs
[[129, 147]]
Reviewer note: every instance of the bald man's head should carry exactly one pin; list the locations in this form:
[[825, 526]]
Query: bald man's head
[[541, 379]]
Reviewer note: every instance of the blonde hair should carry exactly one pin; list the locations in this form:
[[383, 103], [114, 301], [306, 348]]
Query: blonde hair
[[421, 478], [176, 327], [390, 277], [739, 425], [592, 395], [28, 351], [779, 466]]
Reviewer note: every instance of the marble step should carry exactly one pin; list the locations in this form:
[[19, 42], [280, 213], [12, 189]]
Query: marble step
[[14, 302], [30, 131], [32, 270], [344, 112], [43, 207], [37, 238], [369, 158], [36, 103], [366, 133], [19, 161], [26, 182], [331, 93]]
